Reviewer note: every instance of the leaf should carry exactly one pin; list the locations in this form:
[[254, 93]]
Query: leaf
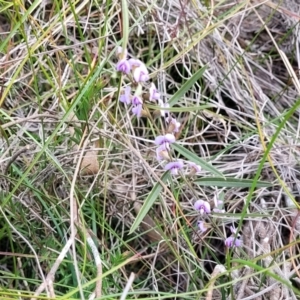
[[125, 24], [175, 98], [153, 195], [196, 159], [148, 225], [230, 182]]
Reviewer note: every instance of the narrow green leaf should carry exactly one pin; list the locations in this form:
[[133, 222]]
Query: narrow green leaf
[[125, 24], [230, 182], [196, 159], [149, 202], [175, 98]]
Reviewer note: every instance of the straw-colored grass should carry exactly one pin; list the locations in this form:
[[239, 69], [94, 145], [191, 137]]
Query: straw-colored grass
[[87, 211]]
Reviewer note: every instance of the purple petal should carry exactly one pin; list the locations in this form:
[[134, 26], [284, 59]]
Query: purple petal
[[135, 63], [229, 242], [202, 206], [165, 139], [238, 242], [159, 140], [136, 100], [125, 97], [233, 242], [137, 110], [174, 166], [123, 66], [140, 74], [170, 138]]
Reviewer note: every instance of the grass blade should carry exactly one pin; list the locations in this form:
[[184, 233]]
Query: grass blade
[[230, 182], [149, 202], [175, 98], [196, 159]]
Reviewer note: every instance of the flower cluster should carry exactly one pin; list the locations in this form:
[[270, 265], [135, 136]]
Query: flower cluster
[[139, 73], [204, 208], [136, 70], [137, 67], [133, 95]]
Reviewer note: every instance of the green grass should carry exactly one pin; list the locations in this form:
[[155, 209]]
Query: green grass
[[87, 211]]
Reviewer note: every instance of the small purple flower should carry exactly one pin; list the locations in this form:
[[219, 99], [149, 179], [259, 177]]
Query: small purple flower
[[202, 206], [136, 100], [202, 226], [137, 106], [139, 69], [165, 140], [162, 153], [173, 125], [140, 74], [195, 169], [135, 63], [137, 110], [174, 166], [233, 242], [153, 93], [126, 97], [123, 66]]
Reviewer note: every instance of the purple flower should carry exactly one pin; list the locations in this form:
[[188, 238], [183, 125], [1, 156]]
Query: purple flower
[[173, 125], [202, 206], [126, 97], [135, 63], [139, 69], [123, 66], [165, 140], [137, 110], [137, 106], [140, 74], [136, 100], [202, 226], [153, 93], [233, 242], [195, 169], [174, 166], [162, 153]]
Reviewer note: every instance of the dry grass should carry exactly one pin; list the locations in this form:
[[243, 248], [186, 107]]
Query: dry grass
[[76, 166]]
